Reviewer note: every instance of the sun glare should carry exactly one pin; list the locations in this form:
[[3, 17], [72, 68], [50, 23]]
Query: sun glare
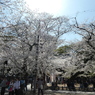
[[49, 6]]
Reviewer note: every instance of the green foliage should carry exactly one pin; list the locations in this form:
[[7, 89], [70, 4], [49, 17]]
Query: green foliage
[[63, 49]]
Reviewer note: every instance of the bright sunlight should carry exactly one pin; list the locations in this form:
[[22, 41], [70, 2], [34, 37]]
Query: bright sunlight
[[49, 6]]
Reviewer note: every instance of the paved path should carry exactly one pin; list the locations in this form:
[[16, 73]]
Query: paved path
[[59, 92]]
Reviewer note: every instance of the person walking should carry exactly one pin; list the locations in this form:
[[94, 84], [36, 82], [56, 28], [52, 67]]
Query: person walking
[[3, 86], [17, 87], [26, 82], [22, 86], [40, 86], [11, 87]]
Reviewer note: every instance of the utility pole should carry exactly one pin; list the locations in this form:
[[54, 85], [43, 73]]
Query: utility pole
[[36, 57]]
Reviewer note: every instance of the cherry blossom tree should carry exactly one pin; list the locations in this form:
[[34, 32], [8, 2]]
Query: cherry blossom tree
[[85, 49]]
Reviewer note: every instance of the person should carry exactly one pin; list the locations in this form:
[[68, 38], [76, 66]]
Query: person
[[22, 85], [40, 86], [69, 84], [17, 86], [31, 82], [11, 87], [81, 85], [3, 86], [85, 85], [26, 82], [72, 85], [93, 82]]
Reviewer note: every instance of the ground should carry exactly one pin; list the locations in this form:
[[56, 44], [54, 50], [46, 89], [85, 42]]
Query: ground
[[49, 92], [58, 92]]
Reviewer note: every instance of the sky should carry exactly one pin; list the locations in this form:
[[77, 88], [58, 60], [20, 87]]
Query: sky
[[84, 10]]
